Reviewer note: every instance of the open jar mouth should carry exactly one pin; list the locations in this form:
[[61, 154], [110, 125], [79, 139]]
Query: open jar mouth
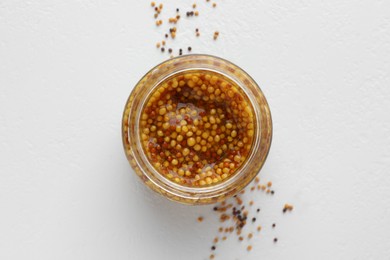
[[243, 174]]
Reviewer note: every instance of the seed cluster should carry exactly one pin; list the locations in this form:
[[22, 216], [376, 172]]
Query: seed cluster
[[174, 20], [234, 216], [197, 128]]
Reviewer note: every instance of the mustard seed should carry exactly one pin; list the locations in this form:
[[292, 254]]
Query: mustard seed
[[189, 122]]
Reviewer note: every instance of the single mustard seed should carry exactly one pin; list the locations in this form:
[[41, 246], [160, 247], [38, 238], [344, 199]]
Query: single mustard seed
[[253, 219], [189, 48], [273, 225], [275, 240], [213, 248]]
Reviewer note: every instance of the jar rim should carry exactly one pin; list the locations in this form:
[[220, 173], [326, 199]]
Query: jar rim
[[219, 189]]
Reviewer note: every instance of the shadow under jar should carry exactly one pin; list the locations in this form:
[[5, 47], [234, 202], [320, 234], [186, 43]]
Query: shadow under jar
[[196, 129]]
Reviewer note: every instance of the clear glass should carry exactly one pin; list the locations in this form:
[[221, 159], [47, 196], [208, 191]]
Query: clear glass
[[185, 194]]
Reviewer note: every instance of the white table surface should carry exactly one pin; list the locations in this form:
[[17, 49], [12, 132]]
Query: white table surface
[[67, 68]]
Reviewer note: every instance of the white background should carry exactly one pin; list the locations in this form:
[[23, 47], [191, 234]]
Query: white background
[[67, 68]]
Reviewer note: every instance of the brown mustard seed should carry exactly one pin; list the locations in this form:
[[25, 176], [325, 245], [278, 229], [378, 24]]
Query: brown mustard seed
[[251, 203], [250, 235], [152, 4], [259, 228], [211, 256], [196, 13], [220, 229], [200, 219], [240, 238], [269, 184], [223, 238], [215, 240], [160, 6], [287, 207], [158, 45], [249, 248], [194, 6], [257, 180]]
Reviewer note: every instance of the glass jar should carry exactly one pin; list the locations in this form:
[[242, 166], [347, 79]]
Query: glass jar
[[186, 194]]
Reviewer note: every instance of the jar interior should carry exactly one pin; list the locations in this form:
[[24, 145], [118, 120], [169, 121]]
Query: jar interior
[[197, 128]]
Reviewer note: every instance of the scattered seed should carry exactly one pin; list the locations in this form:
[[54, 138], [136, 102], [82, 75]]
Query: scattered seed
[[214, 4], [273, 225], [200, 219], [249, 248], [275, 240], [189, 48]]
